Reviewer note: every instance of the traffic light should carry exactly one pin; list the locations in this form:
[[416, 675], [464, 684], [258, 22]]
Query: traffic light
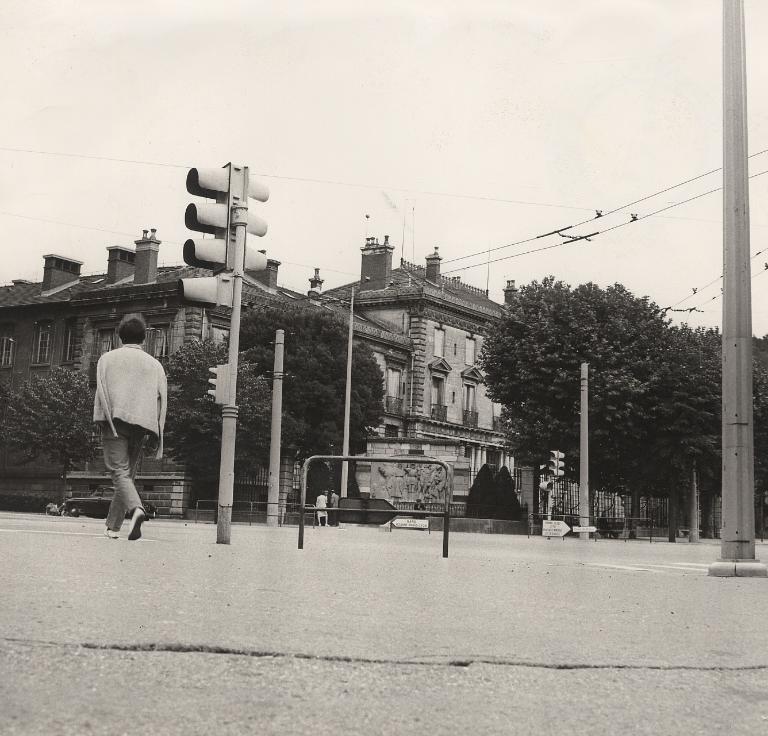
[[213, 290], [230, 186], [556, 463], [220, 381]]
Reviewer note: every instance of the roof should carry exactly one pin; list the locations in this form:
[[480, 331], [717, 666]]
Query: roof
[[92, 286], [411, 279]]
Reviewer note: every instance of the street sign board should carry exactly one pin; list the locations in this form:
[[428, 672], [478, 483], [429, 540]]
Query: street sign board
[[402, 522], [581, 529], [551, 528]]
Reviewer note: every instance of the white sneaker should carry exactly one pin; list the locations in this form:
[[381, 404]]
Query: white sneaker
[[109, 534]]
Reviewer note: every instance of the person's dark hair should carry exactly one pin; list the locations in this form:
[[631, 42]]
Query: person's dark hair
[[132, 330]]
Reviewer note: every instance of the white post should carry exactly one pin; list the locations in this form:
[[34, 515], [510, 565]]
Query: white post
[[584, 452], [347, 398], [273, 488]]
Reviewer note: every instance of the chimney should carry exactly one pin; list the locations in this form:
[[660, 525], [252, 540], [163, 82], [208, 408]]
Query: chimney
[[433, 267], [120, 263], [376, 265], [268, 277], [316, 283], [59, 271], [510, 291], [146, 258]]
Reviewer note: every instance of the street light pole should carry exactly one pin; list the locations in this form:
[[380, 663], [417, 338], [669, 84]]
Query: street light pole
[[737, 555], [584, 452], [347, 398], [273, 488]]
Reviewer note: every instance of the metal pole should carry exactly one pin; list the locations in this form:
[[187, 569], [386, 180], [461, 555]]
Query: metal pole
[[584, 453], [347, 398], [273, 488], [737, 551], [239, 221], [693, 532]]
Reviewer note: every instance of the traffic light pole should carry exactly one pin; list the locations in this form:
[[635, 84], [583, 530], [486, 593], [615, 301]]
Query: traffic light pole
[[229, 411]]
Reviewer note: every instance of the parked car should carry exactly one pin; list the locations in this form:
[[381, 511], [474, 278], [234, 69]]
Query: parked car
[[97, 505]]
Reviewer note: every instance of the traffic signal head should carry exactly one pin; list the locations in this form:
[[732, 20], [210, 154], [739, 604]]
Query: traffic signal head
[[220, 382], [214, 290], [556, 463], [230, 186]]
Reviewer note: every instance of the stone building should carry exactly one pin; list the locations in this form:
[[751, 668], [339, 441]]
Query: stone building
[[69, 319], [435, 396]]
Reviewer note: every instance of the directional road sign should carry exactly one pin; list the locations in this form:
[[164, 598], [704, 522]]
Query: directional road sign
[[587, 529], [402, 522], [551, 528]]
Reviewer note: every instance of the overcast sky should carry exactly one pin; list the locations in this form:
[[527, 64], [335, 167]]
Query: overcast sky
[[465, 125]]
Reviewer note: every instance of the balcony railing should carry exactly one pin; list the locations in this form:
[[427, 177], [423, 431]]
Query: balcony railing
[[393, 405], [439, 412], [470, 418]]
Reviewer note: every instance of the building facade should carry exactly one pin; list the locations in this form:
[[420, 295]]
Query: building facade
[[436, 401]]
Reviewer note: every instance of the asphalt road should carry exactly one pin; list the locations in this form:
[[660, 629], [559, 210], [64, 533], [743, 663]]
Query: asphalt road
[[370, 632]]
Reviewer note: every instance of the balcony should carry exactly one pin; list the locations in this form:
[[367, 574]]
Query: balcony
[[439, 412], [469, 418], [393, 405]]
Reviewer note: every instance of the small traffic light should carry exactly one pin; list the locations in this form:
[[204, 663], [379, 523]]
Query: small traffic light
[[214, 290], [220, 382], [556, 463]]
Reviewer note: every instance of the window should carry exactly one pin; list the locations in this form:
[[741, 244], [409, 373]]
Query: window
[[219, 334], [390, 430], [41, 347], [470, 351], [68, 348], [156, 343], [437, 390], [469, 397], [6, 351], [106, 341], [394, 377], [439, 342]]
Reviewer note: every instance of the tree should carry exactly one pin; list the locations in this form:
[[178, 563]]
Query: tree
[[506, 502], [193, 424], [482, 497], [315, 380], [653, 392], [51, 416]]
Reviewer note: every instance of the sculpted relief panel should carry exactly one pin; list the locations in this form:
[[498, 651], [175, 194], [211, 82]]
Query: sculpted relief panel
[[408, 482]]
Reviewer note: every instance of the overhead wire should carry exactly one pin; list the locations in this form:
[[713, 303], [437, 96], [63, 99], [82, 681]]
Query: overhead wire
[[589, 236], [600, 213]]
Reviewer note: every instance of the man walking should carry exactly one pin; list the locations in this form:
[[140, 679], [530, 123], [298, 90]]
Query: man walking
[[130, 405]]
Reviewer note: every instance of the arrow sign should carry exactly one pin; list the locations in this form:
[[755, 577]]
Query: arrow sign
[[410, 523], [587, 529], [551, 528]]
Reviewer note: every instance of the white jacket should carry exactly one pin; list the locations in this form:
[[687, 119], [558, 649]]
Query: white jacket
[[131, 386]]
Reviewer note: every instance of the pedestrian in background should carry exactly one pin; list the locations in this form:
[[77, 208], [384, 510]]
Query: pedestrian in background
[[333, 504], [130, 406], [321, 505]]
